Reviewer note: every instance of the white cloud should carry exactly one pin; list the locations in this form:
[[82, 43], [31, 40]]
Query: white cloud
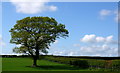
[[104, 50], [100, 39], [1, 41], [89, 38], [11, 54], [117, 15], [92, 38], [105, 12], [56, 41], [116, 18], [32, 7], [58, 52], [71, 53], [76, 45], [93, 50], [109, 39], [52, 8], [18, 45]]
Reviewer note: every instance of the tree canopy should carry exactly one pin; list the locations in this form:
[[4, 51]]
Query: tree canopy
[[35, 34]]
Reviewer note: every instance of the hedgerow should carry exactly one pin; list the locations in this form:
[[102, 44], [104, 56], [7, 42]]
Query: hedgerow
[[111, 65]]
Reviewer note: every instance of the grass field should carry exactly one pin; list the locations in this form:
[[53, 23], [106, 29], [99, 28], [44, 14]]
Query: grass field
[[50, 63], [23, 64]]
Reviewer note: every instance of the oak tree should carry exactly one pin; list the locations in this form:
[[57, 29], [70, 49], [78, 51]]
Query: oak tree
[[35, 34]]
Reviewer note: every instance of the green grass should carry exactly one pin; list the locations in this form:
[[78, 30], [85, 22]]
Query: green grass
[[23, 64]]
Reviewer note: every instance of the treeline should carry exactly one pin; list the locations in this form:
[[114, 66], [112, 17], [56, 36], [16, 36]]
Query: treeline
[[89, 57], [13, 56], [81, 57]]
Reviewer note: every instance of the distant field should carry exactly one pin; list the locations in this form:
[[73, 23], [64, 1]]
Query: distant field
[[23, 64]]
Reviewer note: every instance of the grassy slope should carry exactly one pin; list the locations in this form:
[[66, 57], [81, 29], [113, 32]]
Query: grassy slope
[[23, 64]]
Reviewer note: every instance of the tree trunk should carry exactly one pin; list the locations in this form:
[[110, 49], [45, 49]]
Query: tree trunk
[[35, 58], [35, 62]]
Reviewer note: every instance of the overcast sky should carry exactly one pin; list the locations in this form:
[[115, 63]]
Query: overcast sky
[[92, 26]]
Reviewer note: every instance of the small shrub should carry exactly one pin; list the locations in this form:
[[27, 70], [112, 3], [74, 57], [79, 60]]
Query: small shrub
[[80, 63], [116, 65]]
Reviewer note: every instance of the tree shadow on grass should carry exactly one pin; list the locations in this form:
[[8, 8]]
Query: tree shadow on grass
[[56, 67]]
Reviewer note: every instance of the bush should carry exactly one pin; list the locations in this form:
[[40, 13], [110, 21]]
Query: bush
[[80, 63], [116, 65]]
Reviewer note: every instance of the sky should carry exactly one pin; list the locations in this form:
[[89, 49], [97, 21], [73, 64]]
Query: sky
[[92, 26]]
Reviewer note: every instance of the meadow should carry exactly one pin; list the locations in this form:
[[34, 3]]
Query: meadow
[[23, 64], [51, 63]]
